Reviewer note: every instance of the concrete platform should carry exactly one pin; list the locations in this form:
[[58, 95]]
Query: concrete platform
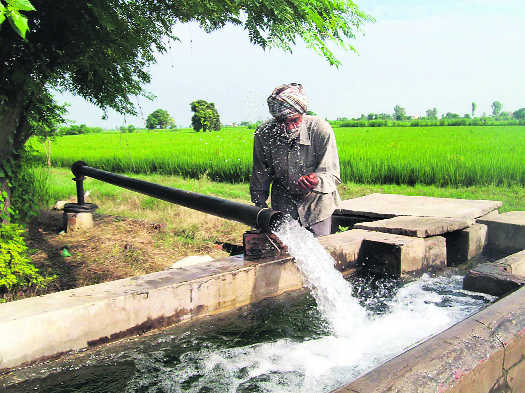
[[386, 253], [389, 205], [506, 232], [416, 226], [484, 353], [498, 278]]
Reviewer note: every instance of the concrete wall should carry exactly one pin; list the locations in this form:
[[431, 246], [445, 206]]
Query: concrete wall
[[43, 327]]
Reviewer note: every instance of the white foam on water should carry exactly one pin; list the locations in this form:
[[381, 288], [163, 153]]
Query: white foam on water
[[360, 341]]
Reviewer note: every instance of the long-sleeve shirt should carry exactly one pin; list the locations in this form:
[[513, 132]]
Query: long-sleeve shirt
[[279, 162]]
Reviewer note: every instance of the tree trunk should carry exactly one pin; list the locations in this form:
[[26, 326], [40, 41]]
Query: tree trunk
[[12, 127]]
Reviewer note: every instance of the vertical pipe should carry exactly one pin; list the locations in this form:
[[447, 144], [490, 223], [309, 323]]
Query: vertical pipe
[[80, 189]]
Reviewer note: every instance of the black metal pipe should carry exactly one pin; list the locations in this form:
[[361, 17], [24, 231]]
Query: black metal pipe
[[80, 189], [261, 218]]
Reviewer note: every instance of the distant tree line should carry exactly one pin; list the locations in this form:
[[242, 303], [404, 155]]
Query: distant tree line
[[400, 118], [76, 129]]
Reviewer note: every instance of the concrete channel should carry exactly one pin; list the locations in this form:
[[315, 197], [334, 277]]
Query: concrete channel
[[483, 353]]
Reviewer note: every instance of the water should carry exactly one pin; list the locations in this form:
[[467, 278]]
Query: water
[[331, 291], [309, 343]]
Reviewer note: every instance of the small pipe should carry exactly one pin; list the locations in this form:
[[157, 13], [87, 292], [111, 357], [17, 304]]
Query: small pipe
[[261, 218], [80, 189]]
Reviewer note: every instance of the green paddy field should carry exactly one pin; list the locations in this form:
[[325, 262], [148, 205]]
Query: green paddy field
[[439, 156]]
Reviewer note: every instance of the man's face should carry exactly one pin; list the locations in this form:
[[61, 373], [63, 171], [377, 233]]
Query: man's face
[[293, 121]]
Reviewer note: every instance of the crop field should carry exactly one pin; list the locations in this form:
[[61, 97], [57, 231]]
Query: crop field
[[443, 156]]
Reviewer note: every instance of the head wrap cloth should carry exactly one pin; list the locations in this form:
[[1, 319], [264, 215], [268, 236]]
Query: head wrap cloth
[[287, 100]]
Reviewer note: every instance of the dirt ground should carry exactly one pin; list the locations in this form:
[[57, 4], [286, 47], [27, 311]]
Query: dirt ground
[[119, 247]]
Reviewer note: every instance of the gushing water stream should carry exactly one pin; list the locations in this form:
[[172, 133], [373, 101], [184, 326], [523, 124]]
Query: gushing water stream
[[331, 291], [297, 345]]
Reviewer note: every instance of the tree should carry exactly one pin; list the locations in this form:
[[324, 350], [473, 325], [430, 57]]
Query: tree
[[399, 113], [205, 117], [496, 108], [371, 116], [474, 106], [451, 115], [159, 118], [100, 50], [519, 114], [432, 114]]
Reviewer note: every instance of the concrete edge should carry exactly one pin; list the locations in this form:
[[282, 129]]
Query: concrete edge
[[85, 321]]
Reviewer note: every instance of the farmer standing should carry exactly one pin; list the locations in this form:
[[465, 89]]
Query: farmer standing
[[297, 154]]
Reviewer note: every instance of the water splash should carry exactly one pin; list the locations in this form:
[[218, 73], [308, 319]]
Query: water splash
[[331, 291]]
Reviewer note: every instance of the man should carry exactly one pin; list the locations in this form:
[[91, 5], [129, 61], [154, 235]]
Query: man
[[297, 154]]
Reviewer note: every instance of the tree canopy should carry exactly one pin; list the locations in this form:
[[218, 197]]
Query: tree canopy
[[399, 112], [496, 108], [101, 49], [159, 118], [205, 117], [519, 114]]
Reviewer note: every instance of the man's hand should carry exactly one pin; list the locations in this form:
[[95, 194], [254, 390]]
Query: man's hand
[[308, 182]]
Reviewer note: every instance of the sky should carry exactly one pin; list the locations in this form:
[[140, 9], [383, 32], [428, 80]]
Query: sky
[[419, 54]]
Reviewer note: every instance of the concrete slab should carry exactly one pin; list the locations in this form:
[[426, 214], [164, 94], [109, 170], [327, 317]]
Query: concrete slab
[[344, 247], [390, 205], [465, 244], [498, 278], [386, 253], [506, 232], [416, 226], [483, 353]]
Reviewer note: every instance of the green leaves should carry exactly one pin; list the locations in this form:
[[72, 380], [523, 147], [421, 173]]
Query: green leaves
[[12, 12], [2, 13], [21, 5], [16, 269], [19, 23]]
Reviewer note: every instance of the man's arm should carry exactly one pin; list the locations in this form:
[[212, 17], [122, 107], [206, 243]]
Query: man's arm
[[261, 178]]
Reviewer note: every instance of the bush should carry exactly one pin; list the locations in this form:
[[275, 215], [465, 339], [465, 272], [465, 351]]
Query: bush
[[79, 130], [16, 270]]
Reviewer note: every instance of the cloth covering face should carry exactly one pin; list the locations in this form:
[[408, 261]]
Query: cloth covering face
[[280, 162], [287, 100]]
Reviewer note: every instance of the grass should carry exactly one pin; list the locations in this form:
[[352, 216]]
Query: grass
[[441, 156], [115, 200]]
